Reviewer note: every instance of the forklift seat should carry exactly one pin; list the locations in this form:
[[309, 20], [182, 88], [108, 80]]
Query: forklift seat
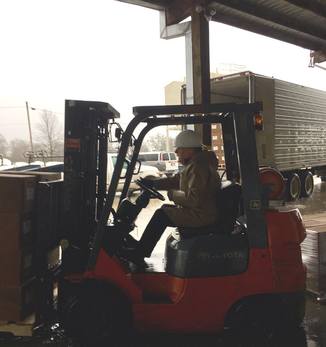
[[228, 204], [207, 255], [212, 250]]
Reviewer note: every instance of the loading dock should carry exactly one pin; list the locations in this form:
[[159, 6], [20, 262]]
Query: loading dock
[[314, 42]]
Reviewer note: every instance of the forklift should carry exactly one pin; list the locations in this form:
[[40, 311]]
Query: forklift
[[244, 272]]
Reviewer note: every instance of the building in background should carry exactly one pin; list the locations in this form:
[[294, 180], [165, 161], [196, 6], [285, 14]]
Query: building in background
[[175, 95]]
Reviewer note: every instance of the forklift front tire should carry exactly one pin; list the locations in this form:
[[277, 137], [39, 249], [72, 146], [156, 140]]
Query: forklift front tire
[[99, 314]]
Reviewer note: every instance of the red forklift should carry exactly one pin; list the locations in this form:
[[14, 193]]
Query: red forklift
[[246, 271]]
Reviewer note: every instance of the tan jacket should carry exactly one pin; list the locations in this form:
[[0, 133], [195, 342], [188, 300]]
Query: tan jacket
[[194, 191]]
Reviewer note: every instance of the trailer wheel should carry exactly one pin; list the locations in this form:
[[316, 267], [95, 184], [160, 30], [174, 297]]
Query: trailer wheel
[[293, 187], [99, 314], [307, 183]]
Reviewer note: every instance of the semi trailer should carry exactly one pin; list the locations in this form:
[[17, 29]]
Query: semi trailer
[[293, 136]]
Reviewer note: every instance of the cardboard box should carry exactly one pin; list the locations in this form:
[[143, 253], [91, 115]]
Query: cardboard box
[[17, 231], [17, 193], [17, 302], [16, 268], [17, 238]]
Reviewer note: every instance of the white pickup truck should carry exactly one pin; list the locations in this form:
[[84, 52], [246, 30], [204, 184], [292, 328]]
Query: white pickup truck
[[145, 171]]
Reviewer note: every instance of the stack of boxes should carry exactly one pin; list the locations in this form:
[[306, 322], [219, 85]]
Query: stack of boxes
[[17, 201], [314, 257], [23, 207]]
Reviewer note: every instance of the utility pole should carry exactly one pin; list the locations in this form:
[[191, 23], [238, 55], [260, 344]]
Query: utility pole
[[29, 128]]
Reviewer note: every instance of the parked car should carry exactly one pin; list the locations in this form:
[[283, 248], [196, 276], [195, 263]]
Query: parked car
[[166, 162], [146, 171]]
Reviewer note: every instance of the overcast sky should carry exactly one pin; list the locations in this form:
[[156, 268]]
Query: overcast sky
[[106, 50]]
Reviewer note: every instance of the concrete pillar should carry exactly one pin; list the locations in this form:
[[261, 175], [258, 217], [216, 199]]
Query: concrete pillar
[[198, 68]]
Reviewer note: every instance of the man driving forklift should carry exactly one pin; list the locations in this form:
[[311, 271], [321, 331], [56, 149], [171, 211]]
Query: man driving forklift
[[193, 192]]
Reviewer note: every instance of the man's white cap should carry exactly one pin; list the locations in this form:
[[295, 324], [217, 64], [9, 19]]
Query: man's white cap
[[188, 139]]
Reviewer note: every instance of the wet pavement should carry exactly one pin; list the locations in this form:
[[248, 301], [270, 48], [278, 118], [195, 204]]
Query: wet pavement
[[296, 338], [316, 203], [311, 334]]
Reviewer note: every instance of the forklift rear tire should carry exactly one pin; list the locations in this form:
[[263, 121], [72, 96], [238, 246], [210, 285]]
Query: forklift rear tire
[[267, 312], [98, 315]]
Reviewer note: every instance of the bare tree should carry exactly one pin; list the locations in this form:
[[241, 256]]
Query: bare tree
[[17, 150], [157, 142], [3, 145], [50, 133]]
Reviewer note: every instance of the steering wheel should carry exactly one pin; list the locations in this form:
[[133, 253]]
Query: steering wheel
[[154, 193]]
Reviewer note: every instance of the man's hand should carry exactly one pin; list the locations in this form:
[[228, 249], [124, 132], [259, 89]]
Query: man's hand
[[170, 194]]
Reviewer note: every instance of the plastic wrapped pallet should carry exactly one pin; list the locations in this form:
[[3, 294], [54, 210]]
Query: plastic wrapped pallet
[[48, 205], [17, 244], [314, 257]]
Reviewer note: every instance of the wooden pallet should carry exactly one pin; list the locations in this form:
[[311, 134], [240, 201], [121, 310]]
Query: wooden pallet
[[23, 328]]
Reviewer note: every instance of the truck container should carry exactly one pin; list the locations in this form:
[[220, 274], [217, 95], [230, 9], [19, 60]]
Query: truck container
[[293, 138]]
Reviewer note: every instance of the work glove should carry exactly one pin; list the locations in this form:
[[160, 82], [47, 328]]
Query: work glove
[[170, 194]]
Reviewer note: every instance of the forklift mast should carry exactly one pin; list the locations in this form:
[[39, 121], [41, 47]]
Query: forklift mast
[[85, 166], [237, 122]]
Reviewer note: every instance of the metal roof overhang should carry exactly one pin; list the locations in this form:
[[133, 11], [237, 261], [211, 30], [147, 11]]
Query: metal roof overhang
[[299, 22]]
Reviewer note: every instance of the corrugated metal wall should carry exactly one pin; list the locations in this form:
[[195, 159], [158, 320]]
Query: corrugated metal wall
[[300, 127]]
